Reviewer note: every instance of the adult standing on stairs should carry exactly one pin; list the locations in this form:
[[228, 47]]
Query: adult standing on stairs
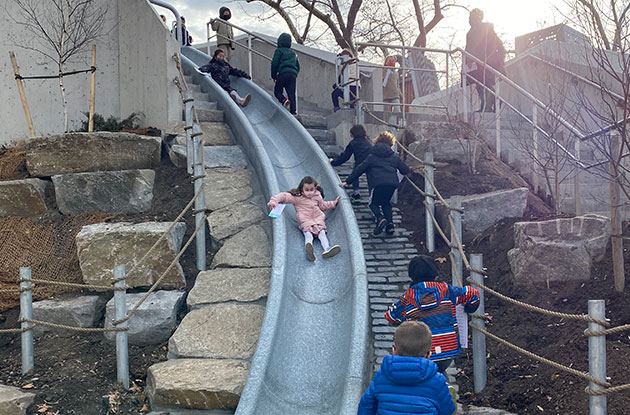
[[225, 35], [484, 44], [285, 67]]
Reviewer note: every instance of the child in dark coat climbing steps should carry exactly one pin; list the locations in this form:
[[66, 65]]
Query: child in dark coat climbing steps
[[359, 147], [284, 71]]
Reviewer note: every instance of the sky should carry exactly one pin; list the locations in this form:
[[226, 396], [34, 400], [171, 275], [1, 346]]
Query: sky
[[511, 18]]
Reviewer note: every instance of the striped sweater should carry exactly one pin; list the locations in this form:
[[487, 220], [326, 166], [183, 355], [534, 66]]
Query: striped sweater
[[434, 304]]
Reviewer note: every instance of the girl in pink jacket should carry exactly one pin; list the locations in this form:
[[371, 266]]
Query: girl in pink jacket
[[308, 200]]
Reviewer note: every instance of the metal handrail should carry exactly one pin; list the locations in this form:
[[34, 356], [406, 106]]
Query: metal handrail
[[178, 18]]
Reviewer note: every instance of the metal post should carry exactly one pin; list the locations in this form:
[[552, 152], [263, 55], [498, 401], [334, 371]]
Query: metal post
[[414, 80], [430, 237], [456, 266], [122, 351], [402, 77], [188, 118], [208, 37], [249, 54], [597, 357], [479, 339], [200, 204], [26, 311], [345, 77], [360, 113], [578, 195], [535, 139], [448, 75], [465, 86], [498, 119]]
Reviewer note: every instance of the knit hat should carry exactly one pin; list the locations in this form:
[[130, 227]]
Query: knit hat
[[422, 268]]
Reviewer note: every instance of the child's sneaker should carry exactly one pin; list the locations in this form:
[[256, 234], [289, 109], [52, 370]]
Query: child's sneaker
[[355, 199], [331, 252], [380, 225], [287, 103], [309, 251], [246, 100], [389, 229]]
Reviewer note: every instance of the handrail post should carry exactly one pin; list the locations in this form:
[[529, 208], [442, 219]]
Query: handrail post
[[200, 204], [430, 209], [578, 196], [465, 87], [535, 142], [448, 75], [478, 338], [26, 312], [208, 38], [122, 341], [345, 77], [498, 119], [597, 357], [188, 117], [456, 265], [249, 54], [402, 101]]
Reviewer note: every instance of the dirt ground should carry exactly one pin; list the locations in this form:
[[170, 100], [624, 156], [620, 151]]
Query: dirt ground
[[516, 382], [77, 374]]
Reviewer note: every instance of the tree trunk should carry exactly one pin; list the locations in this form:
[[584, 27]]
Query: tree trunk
[[615, 218], [63, 100]]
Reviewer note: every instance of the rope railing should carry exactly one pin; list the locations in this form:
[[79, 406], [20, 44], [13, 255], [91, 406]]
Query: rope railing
[[36, 281], [71, 328]]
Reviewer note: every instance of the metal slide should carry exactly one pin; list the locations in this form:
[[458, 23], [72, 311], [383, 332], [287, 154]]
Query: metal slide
[[312, 353]]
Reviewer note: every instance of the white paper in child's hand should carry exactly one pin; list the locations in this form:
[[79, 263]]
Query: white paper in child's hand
[[277, 211], [462, 325]]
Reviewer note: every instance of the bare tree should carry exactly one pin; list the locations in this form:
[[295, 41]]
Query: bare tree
[[607, 23], [60, 30]]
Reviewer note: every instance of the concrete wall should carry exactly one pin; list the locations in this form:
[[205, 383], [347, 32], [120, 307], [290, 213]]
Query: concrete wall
[[134, 73]]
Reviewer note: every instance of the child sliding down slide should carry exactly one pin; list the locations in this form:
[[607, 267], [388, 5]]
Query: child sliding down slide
[[308, 200]]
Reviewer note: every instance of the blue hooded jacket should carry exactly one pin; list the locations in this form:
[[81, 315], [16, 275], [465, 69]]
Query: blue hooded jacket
[[407, 386]]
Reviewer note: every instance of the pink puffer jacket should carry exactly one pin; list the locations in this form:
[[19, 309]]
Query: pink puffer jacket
[[309, 211]]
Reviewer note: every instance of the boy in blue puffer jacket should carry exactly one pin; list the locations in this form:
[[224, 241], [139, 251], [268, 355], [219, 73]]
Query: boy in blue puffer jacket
[[408, 382], [285, 67]]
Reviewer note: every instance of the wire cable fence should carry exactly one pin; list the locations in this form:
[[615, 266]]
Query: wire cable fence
[[600, 386]]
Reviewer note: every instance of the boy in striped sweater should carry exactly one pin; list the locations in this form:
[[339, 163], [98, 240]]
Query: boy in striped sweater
[[434, 304]]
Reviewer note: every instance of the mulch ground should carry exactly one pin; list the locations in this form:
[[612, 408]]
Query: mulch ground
[[77, 374], [516, 382]]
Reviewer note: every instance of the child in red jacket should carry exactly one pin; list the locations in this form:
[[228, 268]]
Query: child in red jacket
[[434, 304]]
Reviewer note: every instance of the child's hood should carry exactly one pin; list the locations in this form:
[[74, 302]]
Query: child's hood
[[284, 40], [404, 370], [382, 150], [430, 297]]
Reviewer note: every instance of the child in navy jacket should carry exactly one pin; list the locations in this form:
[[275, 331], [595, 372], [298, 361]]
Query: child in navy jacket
[[359, 147], [408, 382], [434, 304]]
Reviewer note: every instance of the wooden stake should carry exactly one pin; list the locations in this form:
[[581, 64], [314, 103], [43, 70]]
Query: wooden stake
[[92, 91], [20, 86]]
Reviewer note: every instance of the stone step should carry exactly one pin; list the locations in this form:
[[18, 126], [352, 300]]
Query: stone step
[[312, 120], [322, 135], [205, 105], [331, 151], [210, 115], [214, 133]]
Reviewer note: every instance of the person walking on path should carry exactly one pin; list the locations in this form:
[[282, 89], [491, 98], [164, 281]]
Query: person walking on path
[[381, 166], [308, 200], [285, 67], [408, 382], [359, 147], [220, 71], [225, 35], [353, 76], [434, 303], [484, 44]]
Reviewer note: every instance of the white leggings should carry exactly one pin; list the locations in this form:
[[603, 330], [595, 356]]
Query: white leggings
[[236, 96], [323, 239]]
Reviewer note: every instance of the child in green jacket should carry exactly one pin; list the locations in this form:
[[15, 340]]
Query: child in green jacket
[[284, 70]]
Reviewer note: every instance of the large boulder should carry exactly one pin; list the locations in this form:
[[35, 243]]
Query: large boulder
[[128, 191], [249, 248], [22, 197], [83, 311], [558, 249], [218, 331], [483, 210], [225, 186], [205, 384], [14, 401], [153, 322], [229, 284], [213, 133], [84, 152], [214, 156], [232, 219], [103, 245], [446, 141]]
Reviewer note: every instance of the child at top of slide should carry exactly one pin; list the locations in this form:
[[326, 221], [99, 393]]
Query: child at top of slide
[[308, 200]]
